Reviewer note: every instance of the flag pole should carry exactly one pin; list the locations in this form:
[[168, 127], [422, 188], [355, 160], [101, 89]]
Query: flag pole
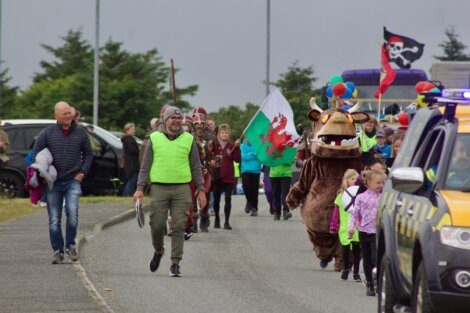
[[173, 83], [259, 110], [380, 82], [253, 118], [378, 108]]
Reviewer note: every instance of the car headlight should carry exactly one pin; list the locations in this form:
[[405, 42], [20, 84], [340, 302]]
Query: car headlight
[[456, 237]]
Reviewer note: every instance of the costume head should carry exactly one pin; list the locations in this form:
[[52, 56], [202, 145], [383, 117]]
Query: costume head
[[335, 131]]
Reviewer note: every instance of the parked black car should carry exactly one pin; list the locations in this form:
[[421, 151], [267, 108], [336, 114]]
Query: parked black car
[[105, 174]]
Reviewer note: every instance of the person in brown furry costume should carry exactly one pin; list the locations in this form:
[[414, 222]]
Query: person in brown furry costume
[[335, 149]]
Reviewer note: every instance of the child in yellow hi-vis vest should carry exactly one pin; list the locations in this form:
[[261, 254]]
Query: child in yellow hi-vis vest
[[339, 224]]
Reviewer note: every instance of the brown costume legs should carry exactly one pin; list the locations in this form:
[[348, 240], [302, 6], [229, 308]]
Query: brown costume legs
[[327, 247]]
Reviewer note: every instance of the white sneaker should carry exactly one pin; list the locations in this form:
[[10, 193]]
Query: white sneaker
[[43, 204]]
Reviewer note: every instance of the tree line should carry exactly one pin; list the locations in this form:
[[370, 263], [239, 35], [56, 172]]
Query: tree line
[[135, 86]]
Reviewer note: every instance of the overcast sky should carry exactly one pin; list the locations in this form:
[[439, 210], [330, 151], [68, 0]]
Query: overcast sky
[[221, 44]]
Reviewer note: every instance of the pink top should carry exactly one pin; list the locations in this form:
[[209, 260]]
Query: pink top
[[334, 225], [365, 212]]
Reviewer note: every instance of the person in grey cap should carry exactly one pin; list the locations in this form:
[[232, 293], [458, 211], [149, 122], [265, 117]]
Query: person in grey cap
[[382, 147], [170, 162]]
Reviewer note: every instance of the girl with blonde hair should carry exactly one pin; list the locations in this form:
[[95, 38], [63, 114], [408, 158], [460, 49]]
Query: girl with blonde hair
[[339, 224]]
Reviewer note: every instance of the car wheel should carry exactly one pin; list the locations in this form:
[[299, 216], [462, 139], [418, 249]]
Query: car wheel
[[385, 291], [12, 185], [421, 301]]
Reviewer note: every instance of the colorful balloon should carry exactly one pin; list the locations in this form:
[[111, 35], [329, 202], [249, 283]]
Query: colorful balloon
[[347, 94], [336, 79], [329, 92], [339, 89], [403, 119], [420, 86], [354, 95], [428, 86], [350, 86]]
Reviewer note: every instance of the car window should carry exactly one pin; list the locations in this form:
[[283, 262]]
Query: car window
[[458, 175], [436, 152], [16, 137], [430, 155], [30, 134], [95, 144], [107, 137]]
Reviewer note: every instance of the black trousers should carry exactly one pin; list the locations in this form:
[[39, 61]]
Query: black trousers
[[225, 188], [369, 254], [281, 186], [250, 183], [356, 250]]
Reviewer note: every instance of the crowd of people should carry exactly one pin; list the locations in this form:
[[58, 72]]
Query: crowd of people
[[186, 163]]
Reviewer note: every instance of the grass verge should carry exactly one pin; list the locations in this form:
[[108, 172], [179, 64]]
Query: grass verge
[[11, 209]]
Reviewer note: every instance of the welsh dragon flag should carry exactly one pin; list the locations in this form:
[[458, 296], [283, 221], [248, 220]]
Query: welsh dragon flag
[[272, 132]]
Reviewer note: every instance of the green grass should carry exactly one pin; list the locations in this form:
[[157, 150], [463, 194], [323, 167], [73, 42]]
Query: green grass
[[11, 209]]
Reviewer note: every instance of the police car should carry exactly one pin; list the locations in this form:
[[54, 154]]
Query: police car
[[423, 223]]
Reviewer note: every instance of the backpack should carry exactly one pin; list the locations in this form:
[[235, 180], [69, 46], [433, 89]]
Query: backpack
[[348, 197]]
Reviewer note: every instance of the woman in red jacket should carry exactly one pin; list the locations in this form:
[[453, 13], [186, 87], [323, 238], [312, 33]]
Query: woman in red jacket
[[225, 179]]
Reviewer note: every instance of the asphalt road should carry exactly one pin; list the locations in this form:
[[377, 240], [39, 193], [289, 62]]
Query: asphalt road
[[260, 266]]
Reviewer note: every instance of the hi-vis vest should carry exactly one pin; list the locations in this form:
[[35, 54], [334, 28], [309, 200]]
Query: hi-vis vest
[[366, 142], [171, 158]]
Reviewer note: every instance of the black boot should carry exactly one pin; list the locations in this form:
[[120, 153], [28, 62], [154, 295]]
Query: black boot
[[217, 222], [370, 289], [227, 211], [247, 207]]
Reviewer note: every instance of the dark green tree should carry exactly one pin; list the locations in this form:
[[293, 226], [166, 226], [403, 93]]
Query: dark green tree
[[8, 95], [454, 50], [297, 86], [237, 118], [76, 55], [133, 86]]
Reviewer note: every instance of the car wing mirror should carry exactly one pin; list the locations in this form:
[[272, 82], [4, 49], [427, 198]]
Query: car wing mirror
[[407, 179]]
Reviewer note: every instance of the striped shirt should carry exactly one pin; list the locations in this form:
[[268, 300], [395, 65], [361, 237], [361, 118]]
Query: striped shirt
[[71, 154]]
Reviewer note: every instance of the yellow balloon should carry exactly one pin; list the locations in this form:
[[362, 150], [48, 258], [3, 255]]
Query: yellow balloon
[[354, 95], [420, 101]]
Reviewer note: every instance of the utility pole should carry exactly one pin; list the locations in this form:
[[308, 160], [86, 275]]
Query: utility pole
[[268, 26], [97, 61], [1, 59]]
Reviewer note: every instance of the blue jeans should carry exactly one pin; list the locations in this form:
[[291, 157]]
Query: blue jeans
[[131, 185], [70, 190]]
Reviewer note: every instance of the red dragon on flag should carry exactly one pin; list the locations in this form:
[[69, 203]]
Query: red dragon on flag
[[277, 137]]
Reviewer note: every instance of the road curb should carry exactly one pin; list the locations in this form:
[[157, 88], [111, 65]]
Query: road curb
[[80, 270]]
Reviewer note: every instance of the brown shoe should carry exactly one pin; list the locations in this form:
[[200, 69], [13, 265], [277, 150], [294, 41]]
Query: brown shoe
[[72, 253], [57, 257]]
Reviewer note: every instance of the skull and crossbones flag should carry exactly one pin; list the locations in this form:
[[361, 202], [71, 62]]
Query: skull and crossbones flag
[[402, 50]]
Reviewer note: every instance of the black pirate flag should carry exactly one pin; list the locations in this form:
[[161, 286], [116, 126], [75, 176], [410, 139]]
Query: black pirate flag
[[402, 50]]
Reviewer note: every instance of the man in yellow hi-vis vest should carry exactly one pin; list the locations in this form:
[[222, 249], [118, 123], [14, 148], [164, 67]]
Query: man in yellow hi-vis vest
[[170, 162]]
